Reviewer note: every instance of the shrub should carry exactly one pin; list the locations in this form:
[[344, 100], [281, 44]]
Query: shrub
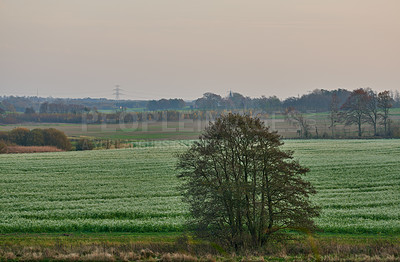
[[3, 147], [4, 135], [18, 135], [84, 144], [57, 138], [35, 138]]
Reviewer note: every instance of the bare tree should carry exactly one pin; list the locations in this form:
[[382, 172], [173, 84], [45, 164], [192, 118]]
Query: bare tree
[[241, 187], [292, 114], [396, 97], [385, 103], [355, 108], [372, 110], [334, 113]]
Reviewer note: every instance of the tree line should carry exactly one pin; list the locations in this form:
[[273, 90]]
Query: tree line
[[362, 106], [317, 100], [359, 107], [36, 137]]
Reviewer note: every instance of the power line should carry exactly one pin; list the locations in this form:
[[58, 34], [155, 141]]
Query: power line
[[117, 92]]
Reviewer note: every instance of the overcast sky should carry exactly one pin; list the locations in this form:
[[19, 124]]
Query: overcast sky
[[184, 48]]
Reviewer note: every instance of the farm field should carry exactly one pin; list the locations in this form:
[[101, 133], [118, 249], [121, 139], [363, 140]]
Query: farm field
[[134, 190], [173, 130]]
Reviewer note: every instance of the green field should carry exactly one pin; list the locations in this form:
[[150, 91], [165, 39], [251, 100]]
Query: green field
[[134, 190], [173, 130]]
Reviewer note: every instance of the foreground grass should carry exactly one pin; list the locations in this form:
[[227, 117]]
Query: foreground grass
[[175, 247]]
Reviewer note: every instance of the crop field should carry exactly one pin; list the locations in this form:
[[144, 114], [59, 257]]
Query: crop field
[[134, 190]]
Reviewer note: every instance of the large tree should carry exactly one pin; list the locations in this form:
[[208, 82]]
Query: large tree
[[241, 187], [355, 108]]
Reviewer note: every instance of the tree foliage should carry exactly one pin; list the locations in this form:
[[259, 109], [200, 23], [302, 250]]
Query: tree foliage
[[241, 187], [57, 138], [19, 135], [29, 111], [165, 104], [37, 137], [61, 108]]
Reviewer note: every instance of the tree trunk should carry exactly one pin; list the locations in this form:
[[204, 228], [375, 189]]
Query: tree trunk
[[385, 124]]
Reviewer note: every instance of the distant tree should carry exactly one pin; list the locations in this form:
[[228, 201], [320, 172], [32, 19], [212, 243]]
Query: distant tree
[[29, 110], [57, 138], [334, 113], [84, 144], [165, 104], [396, 98], [292, 114], [108, 143], [241, 187], [35, 138], [355, 109], [44, 108], [372, 110], [236, 101], [274, 104], [268, 104], [19, 135], [209, 101], [317, 100], [8, 107], [2, 111], [61, 108], [385, 103]]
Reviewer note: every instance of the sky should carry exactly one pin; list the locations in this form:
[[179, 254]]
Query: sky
[[184, 48]]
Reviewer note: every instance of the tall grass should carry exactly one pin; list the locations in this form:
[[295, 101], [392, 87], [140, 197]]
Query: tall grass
[[32, 149]]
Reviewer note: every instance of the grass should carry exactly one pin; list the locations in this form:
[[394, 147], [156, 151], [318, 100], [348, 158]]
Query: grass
[[174, 247], [151, 131], [134, 190], [79, 238], [97, 191], [357, 182]]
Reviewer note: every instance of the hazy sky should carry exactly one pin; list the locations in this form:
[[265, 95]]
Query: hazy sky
[[184, 48]]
